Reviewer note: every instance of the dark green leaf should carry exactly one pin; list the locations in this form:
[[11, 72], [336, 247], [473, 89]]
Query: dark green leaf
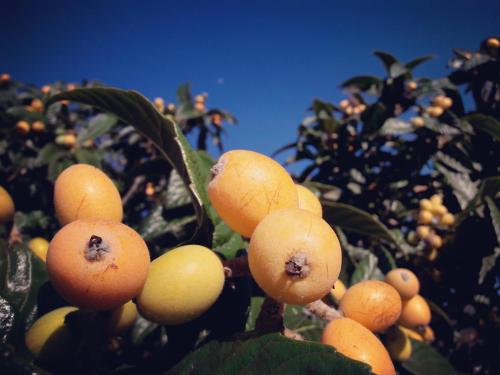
[[416, 62], [362, 83], [397, 70], [134, 109], [487, 124], [303, 322], [267, 354], [226, 241], [386, 58], [97, 126], [253, 312], [425, 360], [88, 157], [50, 153]]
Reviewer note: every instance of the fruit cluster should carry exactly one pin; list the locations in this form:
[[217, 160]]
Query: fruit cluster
[[433, 218], [393, 307], [439, 104], [352, 106]]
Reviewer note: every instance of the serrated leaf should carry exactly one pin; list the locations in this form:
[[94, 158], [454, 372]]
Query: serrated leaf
[[425, 360], [134, 109], [394, 126], [97, 126], [266, 354]]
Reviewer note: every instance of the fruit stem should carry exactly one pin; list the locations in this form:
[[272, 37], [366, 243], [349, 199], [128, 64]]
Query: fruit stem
[[236, 267], [270, 318], [96, 248], [323, 311], [297, 266]]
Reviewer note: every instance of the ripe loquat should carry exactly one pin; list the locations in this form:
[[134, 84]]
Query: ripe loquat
[[404, 281]]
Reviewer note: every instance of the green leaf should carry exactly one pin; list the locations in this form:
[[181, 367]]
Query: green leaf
[[23, 274], [267, 354], [463, 188], [303, 322], [495, 216], [416, 62], [134, 109], [21, 113], [386, 58], [425, 360], [49, 154], [367, 269], [484, 123], [355, 220], [253, 312], [397, 70], [394, 126], [226, 241], [97, 126], [450, 162], [362, 83], [88, 157], [374, 117]]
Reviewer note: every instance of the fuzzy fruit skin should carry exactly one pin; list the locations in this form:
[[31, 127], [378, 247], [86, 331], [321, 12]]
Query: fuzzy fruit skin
[[404, 281], [415, 313], [6, 206], [289, 233], [182, 284], [398, 345], [85, 192], [308, 201], [101, 284], [425, 217], [48, 338], [247, 186], [373, 303], [39, 246], [357, 342], [123, 318]]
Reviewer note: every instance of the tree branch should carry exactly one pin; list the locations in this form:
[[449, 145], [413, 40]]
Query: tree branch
[[323, 311]]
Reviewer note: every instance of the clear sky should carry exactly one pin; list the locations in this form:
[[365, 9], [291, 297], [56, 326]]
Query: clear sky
[[264, 61]]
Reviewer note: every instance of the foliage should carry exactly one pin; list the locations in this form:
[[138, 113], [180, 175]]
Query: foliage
[[370, 165]]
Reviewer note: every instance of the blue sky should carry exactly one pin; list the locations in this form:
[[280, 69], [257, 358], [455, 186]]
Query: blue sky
[[263, 61]]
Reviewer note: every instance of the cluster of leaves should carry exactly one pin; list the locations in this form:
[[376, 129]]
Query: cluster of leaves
[[379, 161]]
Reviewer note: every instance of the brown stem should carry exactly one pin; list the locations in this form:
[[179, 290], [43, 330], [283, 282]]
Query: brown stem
[[15, 235], [236, 267], [133, 189], [291, 334], [323, 311], [270, 318]]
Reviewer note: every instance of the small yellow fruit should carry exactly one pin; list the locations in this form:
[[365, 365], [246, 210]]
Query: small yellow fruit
[[439, 210], [39, 246], [5, 77], [425, 217], [411, 333], [435, 241], [171, 107], [436, 199], [66, 140], [398, 344], [182, 284], [404, 281], [247, 186], [357, 342], [423, 231], [432, 255], [150, 189], [428, 334], [45, 89], [49, 338], [373, 303], [415, 313], [446, 103], [37, 105], [338, 291], [6, 206], [308, 201], [294, 256], [411, 85], [123, 318], [417, 122], [425, 204], [85, 192], [38, 126], [344, 104], [23, 127], [70, 87], [447, 219], [434, 111], [159, 104], [493, 43]]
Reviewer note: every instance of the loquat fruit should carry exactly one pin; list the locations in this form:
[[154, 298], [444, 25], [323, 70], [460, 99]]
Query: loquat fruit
[[6, 206], [39, 246], [308, 200], [417, 122], [398, 344], [404, 281], [423, 231], [425, 217], [23, 127], [416, 312]]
